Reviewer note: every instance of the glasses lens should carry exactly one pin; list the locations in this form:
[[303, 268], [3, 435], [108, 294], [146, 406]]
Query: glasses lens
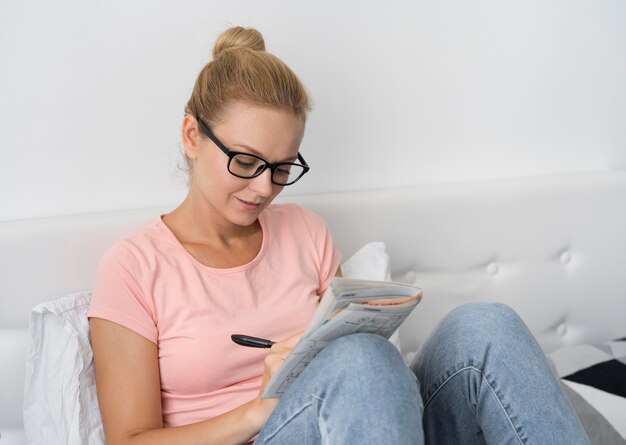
[[287, 173], [249, 166], [245, 166]]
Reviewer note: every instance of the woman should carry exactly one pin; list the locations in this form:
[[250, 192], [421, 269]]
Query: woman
[[168, 297]]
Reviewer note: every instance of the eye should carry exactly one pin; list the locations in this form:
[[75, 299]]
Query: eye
[[283, 170], [247, 164], [243, 162]]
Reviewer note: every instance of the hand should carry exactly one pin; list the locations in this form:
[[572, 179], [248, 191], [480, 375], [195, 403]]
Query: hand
[[274, 359]]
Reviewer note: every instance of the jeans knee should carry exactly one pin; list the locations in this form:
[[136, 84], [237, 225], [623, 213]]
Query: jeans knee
[[361, 347], [484, 320], [485, 312], [365, 355]]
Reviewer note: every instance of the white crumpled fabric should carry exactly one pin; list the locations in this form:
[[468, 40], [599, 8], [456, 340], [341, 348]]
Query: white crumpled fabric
[[60, 403]]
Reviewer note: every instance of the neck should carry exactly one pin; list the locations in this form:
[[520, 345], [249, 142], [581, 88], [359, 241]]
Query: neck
[[201, 223]]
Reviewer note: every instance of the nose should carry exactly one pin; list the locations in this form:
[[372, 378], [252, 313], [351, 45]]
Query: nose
[[262, 184]]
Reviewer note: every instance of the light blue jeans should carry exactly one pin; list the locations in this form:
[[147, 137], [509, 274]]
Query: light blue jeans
[[480, 378]]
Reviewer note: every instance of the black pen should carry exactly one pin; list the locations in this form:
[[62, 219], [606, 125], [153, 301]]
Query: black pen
[[254, 342]]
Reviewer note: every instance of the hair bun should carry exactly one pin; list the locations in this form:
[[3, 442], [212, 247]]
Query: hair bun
[[238, 36]]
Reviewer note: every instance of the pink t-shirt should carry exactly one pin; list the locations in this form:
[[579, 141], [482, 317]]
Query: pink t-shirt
[[151, 284]]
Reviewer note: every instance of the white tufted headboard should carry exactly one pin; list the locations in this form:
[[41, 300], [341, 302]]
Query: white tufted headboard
[[552, 247]]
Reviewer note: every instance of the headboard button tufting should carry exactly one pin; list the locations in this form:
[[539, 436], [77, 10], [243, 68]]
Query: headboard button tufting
[[493, 268]]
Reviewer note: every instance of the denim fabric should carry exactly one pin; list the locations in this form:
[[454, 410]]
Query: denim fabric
[[483, 379]]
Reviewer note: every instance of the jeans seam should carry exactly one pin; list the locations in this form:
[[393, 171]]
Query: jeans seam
[[286, 421], [323, 428], [491, 388]]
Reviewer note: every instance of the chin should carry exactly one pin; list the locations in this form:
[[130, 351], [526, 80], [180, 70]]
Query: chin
[[246, 219], [245, 223], [245, 215]]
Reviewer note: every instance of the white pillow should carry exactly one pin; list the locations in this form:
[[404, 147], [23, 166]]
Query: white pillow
[[370, 262], [60, 402]]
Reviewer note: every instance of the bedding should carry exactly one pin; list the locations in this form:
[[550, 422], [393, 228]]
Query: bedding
[[594, 378]]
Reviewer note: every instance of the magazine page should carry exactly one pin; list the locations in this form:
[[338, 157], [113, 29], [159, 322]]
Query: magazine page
[[343, 291], [356, 317]]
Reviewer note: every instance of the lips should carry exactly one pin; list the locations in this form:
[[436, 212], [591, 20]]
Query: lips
[[249, 205]]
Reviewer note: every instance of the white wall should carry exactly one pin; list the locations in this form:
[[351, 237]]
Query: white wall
[[406, 92]]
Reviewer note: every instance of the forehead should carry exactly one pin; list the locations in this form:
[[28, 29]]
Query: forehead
[[269, 132]]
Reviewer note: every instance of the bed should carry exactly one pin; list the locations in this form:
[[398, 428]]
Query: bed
[[552, 247]]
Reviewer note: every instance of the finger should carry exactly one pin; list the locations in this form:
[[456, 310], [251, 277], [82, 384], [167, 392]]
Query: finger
[[279, 351], [290, 342]]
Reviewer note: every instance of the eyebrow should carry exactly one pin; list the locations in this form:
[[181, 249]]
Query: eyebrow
[[255, 152]]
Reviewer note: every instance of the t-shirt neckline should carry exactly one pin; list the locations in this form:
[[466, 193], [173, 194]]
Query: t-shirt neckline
[[219, 270]]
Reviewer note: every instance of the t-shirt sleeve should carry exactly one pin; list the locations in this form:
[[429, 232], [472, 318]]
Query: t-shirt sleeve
[[329, 257], [119, 295]]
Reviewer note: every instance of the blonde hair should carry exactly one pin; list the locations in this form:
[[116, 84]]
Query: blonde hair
[[241, 69]]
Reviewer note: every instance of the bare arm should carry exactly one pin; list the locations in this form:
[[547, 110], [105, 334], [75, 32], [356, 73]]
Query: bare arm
[[129, 394]]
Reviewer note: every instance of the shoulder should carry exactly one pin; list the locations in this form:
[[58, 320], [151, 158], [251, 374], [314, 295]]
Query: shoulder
[[135, 246]]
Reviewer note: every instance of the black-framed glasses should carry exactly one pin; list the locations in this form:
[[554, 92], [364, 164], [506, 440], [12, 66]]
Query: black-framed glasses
[[247, 165]]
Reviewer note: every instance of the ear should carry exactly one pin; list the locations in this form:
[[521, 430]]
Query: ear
[[190, 136]]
